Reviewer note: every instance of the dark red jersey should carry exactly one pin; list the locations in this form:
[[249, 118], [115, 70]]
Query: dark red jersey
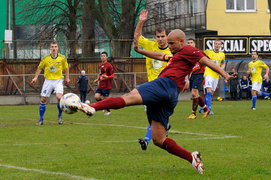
[[181, 64], [105, 69]]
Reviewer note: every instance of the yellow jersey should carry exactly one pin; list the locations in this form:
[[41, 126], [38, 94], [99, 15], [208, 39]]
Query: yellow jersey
[[218, 58], [255, 69], [154, 67], [53, 68]]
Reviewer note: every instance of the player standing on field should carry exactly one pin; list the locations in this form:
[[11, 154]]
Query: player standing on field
[[195, 83], [153, 66], [105, 80], [255, 69], [53, 65], [211, 77]]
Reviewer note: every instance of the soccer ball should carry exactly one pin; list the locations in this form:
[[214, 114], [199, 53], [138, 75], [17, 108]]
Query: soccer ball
[[87, 102], [69, 99], [219, 99]]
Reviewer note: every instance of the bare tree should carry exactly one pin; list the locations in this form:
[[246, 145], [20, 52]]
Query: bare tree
[[117, 19], [88, 33], [59, 16]]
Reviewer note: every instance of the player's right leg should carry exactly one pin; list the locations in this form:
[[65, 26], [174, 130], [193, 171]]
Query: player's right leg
[[46, 91], [132, 98], [105, 94], [210, 84], [42, 109]]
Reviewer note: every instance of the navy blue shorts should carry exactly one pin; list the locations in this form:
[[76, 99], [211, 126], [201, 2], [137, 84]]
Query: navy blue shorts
[[196, 81], [103, 92], [160, 96]]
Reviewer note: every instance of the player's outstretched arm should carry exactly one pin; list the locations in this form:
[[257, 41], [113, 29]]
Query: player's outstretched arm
[[204, 60], [142, 18], [151, 54]]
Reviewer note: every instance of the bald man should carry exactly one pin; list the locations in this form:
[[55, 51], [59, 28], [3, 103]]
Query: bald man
[[161, 94]]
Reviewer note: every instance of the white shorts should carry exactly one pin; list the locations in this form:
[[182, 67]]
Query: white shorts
[[50, 85], [256, 86], [210, 82]]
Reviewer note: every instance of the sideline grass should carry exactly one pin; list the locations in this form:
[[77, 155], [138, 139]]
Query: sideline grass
[[235, 144]]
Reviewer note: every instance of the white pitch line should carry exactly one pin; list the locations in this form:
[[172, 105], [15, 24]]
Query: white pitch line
[[124, 141], [170, 131], [45, 172]]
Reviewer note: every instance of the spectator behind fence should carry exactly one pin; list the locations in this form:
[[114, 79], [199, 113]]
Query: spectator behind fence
[[83, 86], [233, 85], [244, 86]]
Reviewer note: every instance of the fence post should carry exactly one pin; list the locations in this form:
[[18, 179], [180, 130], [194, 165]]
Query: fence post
[[24, 83], [134, 79]]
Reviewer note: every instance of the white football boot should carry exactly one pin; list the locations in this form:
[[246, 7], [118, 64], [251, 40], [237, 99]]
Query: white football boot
[[83, 107], [196, 162]]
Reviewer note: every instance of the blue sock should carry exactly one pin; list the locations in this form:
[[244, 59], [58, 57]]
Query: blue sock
[[254, 99], [148, 134], [42, 110], [209, 99], [59, 110]]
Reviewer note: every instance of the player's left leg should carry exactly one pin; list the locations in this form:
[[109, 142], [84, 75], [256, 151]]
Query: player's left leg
[[145, 142], [105, 96], [256, 88], [265, 95], [59, 89], [195, 103], [58, 97], [168, 144]]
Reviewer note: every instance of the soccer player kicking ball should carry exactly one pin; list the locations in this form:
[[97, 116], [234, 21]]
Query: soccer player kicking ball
[[161, 94], [153, 66], [53, 65]]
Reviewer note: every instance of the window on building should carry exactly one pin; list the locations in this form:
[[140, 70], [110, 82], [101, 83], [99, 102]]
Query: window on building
[[160, 8], [175, 8], [241, 5]]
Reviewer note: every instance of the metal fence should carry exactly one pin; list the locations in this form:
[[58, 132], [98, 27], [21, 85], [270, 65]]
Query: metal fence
[[20, 84]]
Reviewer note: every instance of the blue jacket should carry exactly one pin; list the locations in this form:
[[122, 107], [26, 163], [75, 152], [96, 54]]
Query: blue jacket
[[83, 83], [266, 85], [244, 84]]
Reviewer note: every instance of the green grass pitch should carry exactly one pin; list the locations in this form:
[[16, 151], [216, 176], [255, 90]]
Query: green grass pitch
[[235, 144]]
